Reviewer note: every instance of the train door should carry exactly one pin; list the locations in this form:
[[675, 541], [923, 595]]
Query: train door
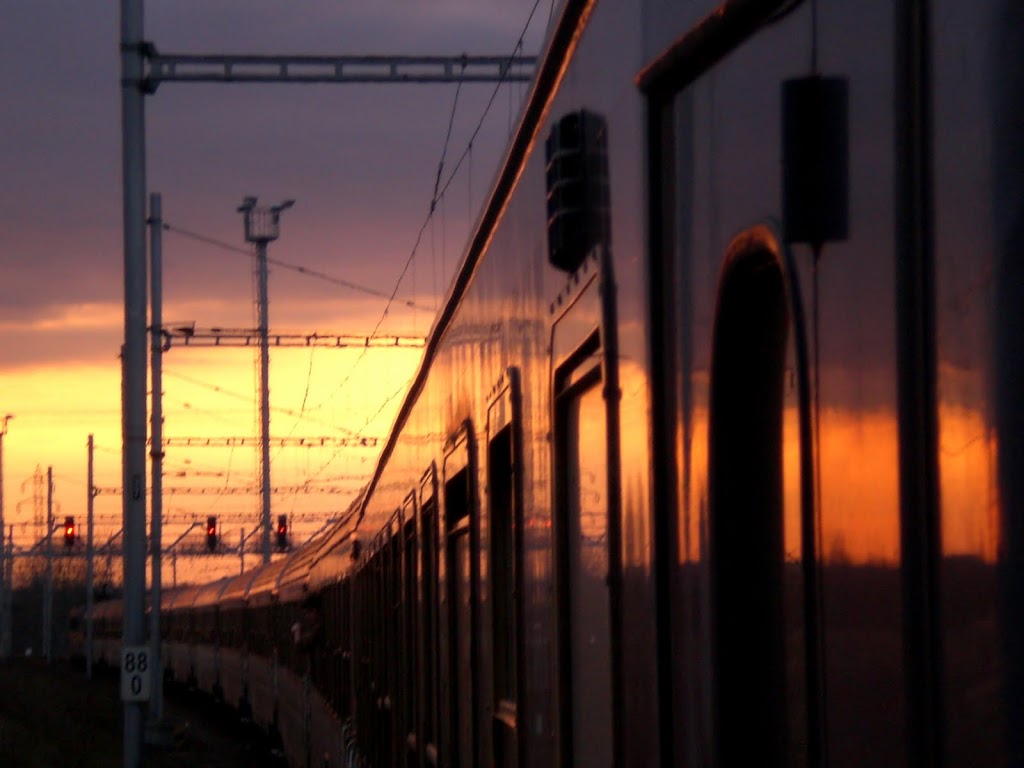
[[505, 564], [586, 519], [735, 508], [461, 568], [429, 691], [581, 540]]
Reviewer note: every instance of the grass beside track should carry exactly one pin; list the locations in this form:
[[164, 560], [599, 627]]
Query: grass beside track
[[54, 717]]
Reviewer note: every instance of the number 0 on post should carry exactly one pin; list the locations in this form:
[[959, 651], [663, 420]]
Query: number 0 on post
[[135, 673]]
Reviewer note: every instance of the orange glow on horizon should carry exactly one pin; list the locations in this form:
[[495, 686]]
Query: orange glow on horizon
[[207, 393]]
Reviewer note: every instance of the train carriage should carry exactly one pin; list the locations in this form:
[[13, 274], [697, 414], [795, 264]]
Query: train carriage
[[236, 641], [715, 445], [268, 635]]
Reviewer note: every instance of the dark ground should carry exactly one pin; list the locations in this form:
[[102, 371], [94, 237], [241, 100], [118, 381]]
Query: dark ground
[[54, 717]]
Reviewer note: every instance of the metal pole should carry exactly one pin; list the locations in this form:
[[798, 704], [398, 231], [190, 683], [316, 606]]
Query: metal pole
[[156, 703], [133, 168], [48, 589], [7, 633], [89, 597], [241, 553], [5, 585], [261, 254]]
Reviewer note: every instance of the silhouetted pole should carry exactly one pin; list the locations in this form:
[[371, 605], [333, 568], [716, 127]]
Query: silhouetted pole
[[89, 597], [5, 582], [264, 324], [10, 586], [48, 589], [133, 405], [156, 453]]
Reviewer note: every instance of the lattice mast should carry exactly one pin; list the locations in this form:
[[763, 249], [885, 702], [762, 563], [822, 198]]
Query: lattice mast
[[262, 225]]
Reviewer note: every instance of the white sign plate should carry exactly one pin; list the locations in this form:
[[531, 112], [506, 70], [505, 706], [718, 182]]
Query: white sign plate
[[135, 673]]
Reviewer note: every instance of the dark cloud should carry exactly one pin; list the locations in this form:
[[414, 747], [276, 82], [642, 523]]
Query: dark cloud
[[360, 160]]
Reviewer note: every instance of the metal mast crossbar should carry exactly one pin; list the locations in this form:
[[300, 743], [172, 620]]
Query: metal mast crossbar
[[251, 337], [354, 441], [247, 68], [246, 490]]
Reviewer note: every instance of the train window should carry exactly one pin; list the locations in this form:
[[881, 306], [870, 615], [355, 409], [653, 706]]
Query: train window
[[746, 504], [393, 660], [505, 566], [461, 570], [428, 580], [584, 568], [410, 677]]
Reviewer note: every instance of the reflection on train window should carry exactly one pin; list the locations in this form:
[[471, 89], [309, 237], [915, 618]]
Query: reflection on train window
[[458, 501], [505, 581], [746, 505], [582, 547], [392, 625], [431, 705], [410, 677]]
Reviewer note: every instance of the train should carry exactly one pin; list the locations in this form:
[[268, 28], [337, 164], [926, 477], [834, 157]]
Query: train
[[715, 449]]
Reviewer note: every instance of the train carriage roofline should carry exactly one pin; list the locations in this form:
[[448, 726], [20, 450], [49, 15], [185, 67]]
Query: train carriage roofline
[[336, 543], [209, 594], [237, 591], [264, 587], [292, 583], [178, 598]]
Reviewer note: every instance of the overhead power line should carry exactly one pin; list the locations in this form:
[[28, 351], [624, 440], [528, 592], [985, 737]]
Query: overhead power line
[[248, 399], [309, 272], [467, 152]]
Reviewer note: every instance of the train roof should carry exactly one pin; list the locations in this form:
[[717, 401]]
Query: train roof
[[297, 578], [182, 597], [209, 594], [263, 588], [334, 558], [237, 590]]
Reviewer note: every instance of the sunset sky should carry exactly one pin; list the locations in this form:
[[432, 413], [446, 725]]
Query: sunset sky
[[361, 163]]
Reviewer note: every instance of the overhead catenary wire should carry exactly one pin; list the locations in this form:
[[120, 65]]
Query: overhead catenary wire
[[439, 194], [248, 398], [467, 152], [337, 451], [302, 270]]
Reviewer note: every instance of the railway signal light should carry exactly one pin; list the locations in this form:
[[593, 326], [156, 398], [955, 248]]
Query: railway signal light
[[69, 531], [282, 532], [211, 533]]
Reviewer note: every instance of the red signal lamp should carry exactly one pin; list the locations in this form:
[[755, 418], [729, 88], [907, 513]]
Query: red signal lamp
[[282, 532]]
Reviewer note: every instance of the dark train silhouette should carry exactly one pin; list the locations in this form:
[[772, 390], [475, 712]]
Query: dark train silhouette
[[716, 446]]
